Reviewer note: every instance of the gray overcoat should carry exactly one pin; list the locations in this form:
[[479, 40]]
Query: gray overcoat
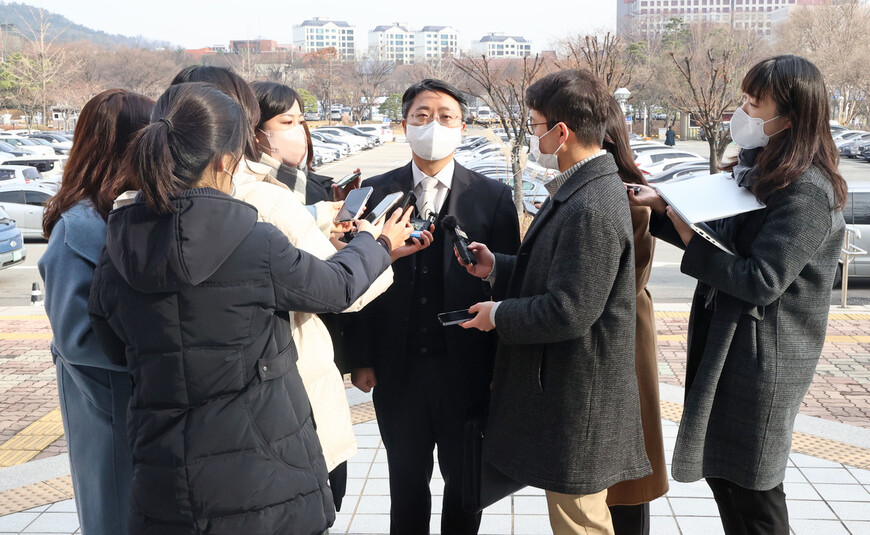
[[564, 413], [752, 357]]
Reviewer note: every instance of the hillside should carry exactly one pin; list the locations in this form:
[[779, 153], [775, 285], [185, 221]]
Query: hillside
[[17, 13]]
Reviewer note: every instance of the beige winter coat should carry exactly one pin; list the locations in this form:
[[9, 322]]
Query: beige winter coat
[[277, 205]]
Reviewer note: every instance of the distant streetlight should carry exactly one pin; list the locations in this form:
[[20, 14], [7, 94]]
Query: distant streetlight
[[621, 95]]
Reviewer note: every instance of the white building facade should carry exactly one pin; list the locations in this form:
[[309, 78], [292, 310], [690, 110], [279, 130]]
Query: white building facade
[[498, 45], [433, 42], [319, 33], [392, 43]]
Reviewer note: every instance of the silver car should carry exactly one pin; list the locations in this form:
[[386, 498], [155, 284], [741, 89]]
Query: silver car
[[26, 204], [857, 214]]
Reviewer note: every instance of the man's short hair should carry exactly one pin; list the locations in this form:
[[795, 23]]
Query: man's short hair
[[431, 84], [574, 97]]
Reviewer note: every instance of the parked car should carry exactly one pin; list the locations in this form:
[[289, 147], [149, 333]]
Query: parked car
[[312, 116], [481, 152], [28, 146], [852, 148], [384, 133], [48, 166], [680, 170], [56, 140], [25, 204], [12, 250], [484, 116], [18, 175], [472, 142], [342, 147], [645, 159], [843, 135], [667, 164], [355, 131], [354, 142], [857, 214]]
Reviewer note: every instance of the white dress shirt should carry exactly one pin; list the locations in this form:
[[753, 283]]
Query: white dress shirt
[[445, 182]]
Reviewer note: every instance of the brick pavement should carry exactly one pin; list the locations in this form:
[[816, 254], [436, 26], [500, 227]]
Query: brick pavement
[[840, 391]]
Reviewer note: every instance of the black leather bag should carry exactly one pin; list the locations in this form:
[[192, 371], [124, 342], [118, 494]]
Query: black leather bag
[[482, 484]]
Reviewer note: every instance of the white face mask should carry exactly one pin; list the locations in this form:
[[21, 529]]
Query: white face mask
[[748, 132], [433, 141], [547, 161]]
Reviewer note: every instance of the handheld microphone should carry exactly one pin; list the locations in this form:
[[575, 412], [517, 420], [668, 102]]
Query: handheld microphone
[[459, 238]]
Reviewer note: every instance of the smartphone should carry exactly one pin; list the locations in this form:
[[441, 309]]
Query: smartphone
[[455, 317], [410, 199], [379, 211], [344, 181], [354, 204]]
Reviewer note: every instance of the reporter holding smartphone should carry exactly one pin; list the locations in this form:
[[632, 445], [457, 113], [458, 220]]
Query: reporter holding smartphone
[[759, 317]]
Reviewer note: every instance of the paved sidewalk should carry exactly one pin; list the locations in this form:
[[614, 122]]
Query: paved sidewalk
[[827, 481]]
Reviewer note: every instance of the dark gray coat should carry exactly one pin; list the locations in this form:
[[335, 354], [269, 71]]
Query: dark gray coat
[[752, 359], [564, 413]]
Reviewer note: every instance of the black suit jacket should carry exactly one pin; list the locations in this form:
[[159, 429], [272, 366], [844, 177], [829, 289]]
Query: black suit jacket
[[378, 335]]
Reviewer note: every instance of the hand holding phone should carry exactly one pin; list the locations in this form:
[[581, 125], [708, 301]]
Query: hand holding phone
[[454, 318], [353, 205], [379, 211]]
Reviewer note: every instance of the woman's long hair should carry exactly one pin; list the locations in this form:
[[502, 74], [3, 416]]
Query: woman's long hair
[[798, 89], [192, 127], [105, 127], [616, 143], [233, 86]]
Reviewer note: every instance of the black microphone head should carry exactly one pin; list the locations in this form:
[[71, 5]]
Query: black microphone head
[[449, 222]]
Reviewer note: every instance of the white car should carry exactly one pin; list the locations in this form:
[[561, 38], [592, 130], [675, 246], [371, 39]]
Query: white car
[[353, 141], [29, 146], [484, 151], [18, 175], [647, 158], [383, 132], [363, 142], [48, 166], [26, 205], [665, 165]]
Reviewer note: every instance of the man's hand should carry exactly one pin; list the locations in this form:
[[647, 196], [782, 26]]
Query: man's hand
[[416, 245], [485, 260], [481, 321], [683, 229], [364, 379]]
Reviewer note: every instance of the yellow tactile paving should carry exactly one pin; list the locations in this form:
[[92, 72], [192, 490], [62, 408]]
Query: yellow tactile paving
[[25, 317], [823, 448], [25, 336], [32, 440], [831, 339], [30, 496]]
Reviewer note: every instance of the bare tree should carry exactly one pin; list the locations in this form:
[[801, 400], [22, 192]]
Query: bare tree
[[367, 79], [324, 81], [144, 71], [707, 64], [41, 65], [608, 56], [836, 37], [244, 62], [503, 83]]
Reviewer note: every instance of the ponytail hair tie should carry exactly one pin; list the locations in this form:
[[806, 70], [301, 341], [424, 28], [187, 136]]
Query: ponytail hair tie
[[168, 124]]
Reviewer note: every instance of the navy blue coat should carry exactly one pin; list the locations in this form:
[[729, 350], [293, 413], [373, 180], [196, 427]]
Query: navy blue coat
[[219, 423]]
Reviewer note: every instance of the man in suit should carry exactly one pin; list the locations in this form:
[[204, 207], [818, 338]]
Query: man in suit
[[565, 413], [429, 379]]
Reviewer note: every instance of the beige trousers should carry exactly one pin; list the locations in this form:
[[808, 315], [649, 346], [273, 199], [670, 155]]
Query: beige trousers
[[579, 514]]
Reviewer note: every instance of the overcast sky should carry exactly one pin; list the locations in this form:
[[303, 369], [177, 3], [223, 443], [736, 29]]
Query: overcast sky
[[199, 23]]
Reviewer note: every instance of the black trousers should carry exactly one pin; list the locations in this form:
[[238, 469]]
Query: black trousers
[[630, 519], [413, 417], [750, 512]]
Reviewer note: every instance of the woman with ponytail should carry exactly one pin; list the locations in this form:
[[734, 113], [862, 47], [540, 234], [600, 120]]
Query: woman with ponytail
[[186, 295]]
